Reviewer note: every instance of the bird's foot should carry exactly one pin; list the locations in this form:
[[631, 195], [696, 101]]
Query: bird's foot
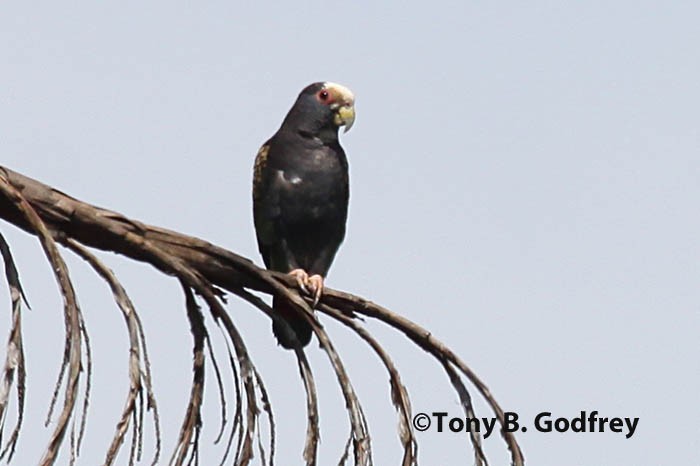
[[316, 287], [302, 279], [312, 286]]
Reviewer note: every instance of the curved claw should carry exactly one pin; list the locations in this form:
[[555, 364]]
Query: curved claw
[[311, 286], [302, 279], [316, 286]]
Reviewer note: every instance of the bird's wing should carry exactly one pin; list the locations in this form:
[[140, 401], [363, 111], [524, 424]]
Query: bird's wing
[[259, 170], [269, 186], [262, 214]]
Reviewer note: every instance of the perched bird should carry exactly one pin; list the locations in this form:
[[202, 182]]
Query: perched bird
[[300, 197]]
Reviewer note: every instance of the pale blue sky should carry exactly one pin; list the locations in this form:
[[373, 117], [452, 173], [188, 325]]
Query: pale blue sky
[[524, 183]]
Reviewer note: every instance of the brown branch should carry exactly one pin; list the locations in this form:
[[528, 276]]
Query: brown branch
[[399, 394], [423, 338], [88, 381], [14, 361], [189, 433], [25, 211], [192, 279], [136, 384], [238, 413], [220, 388], [312, 429], [267, 407], [466, 400], [205, 269]]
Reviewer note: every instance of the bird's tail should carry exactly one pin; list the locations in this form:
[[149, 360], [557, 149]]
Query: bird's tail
[[289, 326]]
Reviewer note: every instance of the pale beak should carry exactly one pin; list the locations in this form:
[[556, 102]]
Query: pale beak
[[345, 116]]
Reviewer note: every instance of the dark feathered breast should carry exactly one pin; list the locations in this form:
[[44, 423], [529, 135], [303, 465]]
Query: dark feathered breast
[[300, 203]]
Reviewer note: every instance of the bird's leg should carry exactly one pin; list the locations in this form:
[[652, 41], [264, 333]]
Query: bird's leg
[[302, 279], [316, 287]]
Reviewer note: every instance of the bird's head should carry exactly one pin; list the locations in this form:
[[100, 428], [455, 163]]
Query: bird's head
[[321, 109]]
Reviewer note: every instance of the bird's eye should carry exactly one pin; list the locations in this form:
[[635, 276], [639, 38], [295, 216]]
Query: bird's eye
[[323, 96]]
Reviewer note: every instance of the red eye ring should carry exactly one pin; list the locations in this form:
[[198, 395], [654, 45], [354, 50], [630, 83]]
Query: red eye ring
[[323, 95]]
